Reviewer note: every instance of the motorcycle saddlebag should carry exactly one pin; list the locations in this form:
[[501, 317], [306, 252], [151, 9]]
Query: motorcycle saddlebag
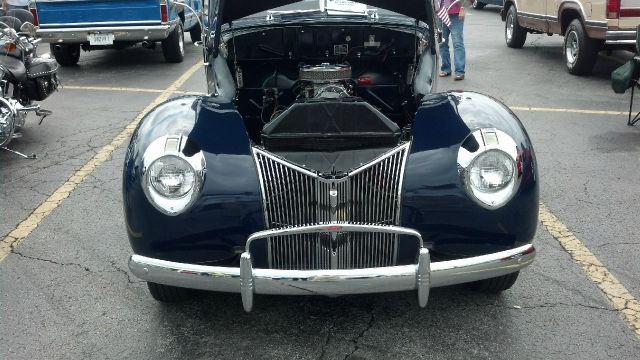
[[41, 78]]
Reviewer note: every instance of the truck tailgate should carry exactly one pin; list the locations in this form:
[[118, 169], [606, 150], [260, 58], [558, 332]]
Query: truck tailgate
[[71, 13]]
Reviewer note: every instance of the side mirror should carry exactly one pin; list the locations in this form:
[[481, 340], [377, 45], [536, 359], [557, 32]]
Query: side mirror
[[28, 28]]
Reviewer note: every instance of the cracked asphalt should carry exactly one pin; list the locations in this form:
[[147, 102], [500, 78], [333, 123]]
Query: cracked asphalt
[[66, 293]]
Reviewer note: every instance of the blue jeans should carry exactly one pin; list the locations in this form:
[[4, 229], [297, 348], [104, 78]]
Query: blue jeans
[[457, 27]]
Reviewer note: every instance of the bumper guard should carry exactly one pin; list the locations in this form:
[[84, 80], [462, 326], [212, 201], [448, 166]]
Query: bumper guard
[[248, 280]]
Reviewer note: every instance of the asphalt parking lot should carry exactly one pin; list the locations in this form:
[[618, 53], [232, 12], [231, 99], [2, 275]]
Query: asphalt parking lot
[[65, 291]]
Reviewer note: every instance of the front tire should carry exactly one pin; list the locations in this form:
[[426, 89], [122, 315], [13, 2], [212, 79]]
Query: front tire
[[580, 51], [495, 285], [168, 294], [479, 5], [66, 54], [173, 46], [514, 34]]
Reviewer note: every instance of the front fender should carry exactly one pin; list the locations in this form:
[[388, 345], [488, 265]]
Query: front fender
[[229, 208], [434, 199]]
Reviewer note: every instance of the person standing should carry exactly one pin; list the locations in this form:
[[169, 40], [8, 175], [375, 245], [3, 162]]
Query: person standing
[[452, 25]]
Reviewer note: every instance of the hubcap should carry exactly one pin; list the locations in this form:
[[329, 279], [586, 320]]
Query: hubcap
[[509, 28], [571, 47]]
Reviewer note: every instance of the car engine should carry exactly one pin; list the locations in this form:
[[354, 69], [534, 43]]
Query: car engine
[[325, 81]]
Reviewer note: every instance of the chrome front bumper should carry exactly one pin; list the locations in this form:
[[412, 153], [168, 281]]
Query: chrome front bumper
[[620, 37], [121, 33], [248, 281]]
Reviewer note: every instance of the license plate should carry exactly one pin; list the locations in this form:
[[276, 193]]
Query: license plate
[[100, 39]]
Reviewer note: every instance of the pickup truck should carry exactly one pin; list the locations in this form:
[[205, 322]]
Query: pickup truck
[[588, 26], [71, 25]]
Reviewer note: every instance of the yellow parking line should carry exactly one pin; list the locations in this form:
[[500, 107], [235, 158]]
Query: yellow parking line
[[575, 111], [117, 89], [517, 108], [615, 292], [126, 89], [27, 226]]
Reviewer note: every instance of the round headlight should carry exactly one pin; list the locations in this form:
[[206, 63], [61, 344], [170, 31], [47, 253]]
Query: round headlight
[[171, 176], [491, 171]]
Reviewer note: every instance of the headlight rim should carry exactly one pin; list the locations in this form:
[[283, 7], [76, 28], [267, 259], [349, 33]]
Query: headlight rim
[[172, 145], [490, 139]]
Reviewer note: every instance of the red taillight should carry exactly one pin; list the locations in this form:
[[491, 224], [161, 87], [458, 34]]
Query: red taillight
[[364, 81], [10, 47], [164, 15], [613, 9], [34, 12]]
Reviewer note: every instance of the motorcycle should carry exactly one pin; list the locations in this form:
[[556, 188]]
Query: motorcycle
[[25, 77]]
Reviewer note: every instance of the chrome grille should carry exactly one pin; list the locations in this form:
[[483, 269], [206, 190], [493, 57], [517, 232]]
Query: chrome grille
[[295, 196]]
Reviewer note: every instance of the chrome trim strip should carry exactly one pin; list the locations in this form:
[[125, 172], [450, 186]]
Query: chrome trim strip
[[102, 29], [597, 24], [620, 42], [334, 228], [621, 33], [332, 282], [104, 23], [536, 16]]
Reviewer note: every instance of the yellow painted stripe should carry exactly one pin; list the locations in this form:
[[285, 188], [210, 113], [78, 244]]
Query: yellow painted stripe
[[575, 111], [117, 89], [27, 226], [517, 108], [620, 298], [126, 89]]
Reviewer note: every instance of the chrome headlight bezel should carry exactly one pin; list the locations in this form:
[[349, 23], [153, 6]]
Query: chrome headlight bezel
[[172, 146], [489, 141]]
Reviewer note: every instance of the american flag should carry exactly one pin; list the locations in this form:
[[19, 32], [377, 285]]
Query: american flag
[[443, 13]]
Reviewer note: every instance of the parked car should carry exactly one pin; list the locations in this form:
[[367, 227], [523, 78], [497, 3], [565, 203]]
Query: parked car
[[481, 4], [71, 25], [321, 163], [587, 26]]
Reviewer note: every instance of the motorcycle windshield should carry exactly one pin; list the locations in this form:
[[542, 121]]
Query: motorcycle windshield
[[85, 13]]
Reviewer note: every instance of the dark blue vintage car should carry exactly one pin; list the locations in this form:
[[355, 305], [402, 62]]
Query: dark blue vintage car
[[321, 163]]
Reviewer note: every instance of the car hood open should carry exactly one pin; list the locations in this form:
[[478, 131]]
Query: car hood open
[[235, 9]]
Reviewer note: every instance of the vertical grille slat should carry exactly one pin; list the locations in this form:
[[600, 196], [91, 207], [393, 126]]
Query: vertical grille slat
[[294, 196]]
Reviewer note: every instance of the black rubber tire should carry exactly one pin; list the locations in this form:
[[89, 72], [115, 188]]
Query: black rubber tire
[[479, 5], [169, 294], [518, 33], [495, 285], [586, 52], [173, 46], [66, 54], [196, 33]]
